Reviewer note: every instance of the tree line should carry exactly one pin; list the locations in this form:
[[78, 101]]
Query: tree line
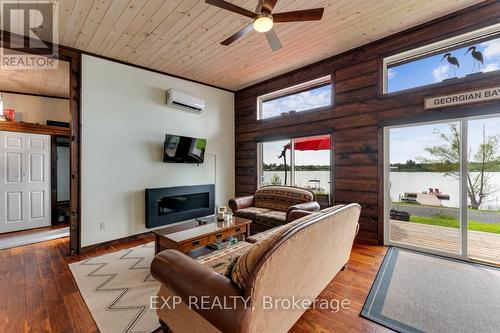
[[446, 166], [483, 160]]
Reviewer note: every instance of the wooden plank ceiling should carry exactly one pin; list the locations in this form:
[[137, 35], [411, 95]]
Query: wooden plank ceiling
[[182, 37], [48, 82]]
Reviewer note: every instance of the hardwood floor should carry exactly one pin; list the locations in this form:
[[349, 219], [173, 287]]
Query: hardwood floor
[[40, 295], [32, 231], [353, 284]]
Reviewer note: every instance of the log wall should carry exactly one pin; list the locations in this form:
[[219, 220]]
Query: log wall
[[360, 110]]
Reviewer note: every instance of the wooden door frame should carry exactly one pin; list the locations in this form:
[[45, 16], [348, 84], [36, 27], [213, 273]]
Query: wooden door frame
[[53, 180], [75, 66]]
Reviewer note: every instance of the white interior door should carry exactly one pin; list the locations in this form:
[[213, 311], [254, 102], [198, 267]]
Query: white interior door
[[24, 180]]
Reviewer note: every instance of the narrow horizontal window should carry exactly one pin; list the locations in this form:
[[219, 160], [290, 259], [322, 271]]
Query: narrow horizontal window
[[457, 57], [306, 96]]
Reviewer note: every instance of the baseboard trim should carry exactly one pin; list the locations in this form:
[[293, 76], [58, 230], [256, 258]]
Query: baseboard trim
[[93, 247], [174, 227]]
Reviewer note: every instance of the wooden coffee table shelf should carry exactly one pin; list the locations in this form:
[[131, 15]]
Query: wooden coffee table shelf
[[200, 236]]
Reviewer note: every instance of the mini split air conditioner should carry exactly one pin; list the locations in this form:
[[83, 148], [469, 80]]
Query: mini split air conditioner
[[184, 101]]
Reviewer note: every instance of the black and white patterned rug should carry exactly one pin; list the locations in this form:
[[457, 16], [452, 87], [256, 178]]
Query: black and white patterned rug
[[117, 288]]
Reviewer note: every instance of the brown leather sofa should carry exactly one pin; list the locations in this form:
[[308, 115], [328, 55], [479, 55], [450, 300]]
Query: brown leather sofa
[[271, 206], [296, 260]]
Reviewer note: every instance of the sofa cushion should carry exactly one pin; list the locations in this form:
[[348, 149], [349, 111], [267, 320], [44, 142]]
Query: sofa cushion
[[271, 219], [250, 212], [257, 237], [274, 228], [281, 197], [246, 262], [222, 261]]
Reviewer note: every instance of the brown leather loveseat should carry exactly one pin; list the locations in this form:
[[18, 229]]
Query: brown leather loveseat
[[271, 206]]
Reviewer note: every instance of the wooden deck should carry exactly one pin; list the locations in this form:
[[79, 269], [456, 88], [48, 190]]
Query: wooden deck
[[482, 245]]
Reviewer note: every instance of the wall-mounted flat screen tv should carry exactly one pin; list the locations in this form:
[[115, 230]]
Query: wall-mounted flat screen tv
[[183, 149]]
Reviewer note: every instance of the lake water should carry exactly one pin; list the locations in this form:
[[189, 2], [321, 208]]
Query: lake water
[[302, 178], [402, 182]]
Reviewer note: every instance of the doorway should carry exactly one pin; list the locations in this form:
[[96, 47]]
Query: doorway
[[74, 59], [60, 169], [35, 155], [442, 187]]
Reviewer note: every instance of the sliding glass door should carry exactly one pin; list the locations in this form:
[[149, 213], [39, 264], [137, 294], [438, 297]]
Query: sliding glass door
[[442, 183], [483, 194], [424, 180]]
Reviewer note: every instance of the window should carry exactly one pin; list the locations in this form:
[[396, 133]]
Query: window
[[306, 96], [303, 162], [452, 58]]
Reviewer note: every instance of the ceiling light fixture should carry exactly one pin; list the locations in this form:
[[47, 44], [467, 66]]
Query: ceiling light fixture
[[263, 23], [263, 19]]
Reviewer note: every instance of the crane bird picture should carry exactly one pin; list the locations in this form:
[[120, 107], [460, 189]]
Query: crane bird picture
[[477, 56], [453, 61]]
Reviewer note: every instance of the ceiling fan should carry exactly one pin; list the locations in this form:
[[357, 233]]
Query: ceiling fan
[[264, 19]]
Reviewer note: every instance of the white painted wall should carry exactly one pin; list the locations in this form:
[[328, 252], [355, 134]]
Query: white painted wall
[[35, 109], [124, 122]]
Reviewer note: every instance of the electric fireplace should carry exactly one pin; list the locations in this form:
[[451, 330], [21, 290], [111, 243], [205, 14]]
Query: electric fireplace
[[174, 204]]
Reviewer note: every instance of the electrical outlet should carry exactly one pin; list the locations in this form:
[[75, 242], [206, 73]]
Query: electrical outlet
[[102, 225]]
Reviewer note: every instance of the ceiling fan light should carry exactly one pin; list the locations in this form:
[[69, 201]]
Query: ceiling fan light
[[263, 23]]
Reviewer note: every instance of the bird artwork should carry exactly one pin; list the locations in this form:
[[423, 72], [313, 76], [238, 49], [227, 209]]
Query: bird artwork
[[478, 58], [453, 61]]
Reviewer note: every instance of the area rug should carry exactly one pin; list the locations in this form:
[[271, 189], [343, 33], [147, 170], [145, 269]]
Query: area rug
[[417, 292], [117, 287], [33, 237]]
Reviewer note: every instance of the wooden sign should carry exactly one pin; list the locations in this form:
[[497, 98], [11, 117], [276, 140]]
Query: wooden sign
[[468, 97]]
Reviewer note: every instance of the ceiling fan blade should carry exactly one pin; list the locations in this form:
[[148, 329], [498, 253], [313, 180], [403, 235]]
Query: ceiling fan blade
[[238, 35], [273, 40], [299, 15], [258, 9], [232, 8], [268, 5]]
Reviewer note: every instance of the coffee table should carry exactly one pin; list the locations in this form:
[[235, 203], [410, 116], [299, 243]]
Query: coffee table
[[199, 236]]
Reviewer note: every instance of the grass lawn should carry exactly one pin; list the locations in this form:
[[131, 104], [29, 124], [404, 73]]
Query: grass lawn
[[451, 222], [395, 203]]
